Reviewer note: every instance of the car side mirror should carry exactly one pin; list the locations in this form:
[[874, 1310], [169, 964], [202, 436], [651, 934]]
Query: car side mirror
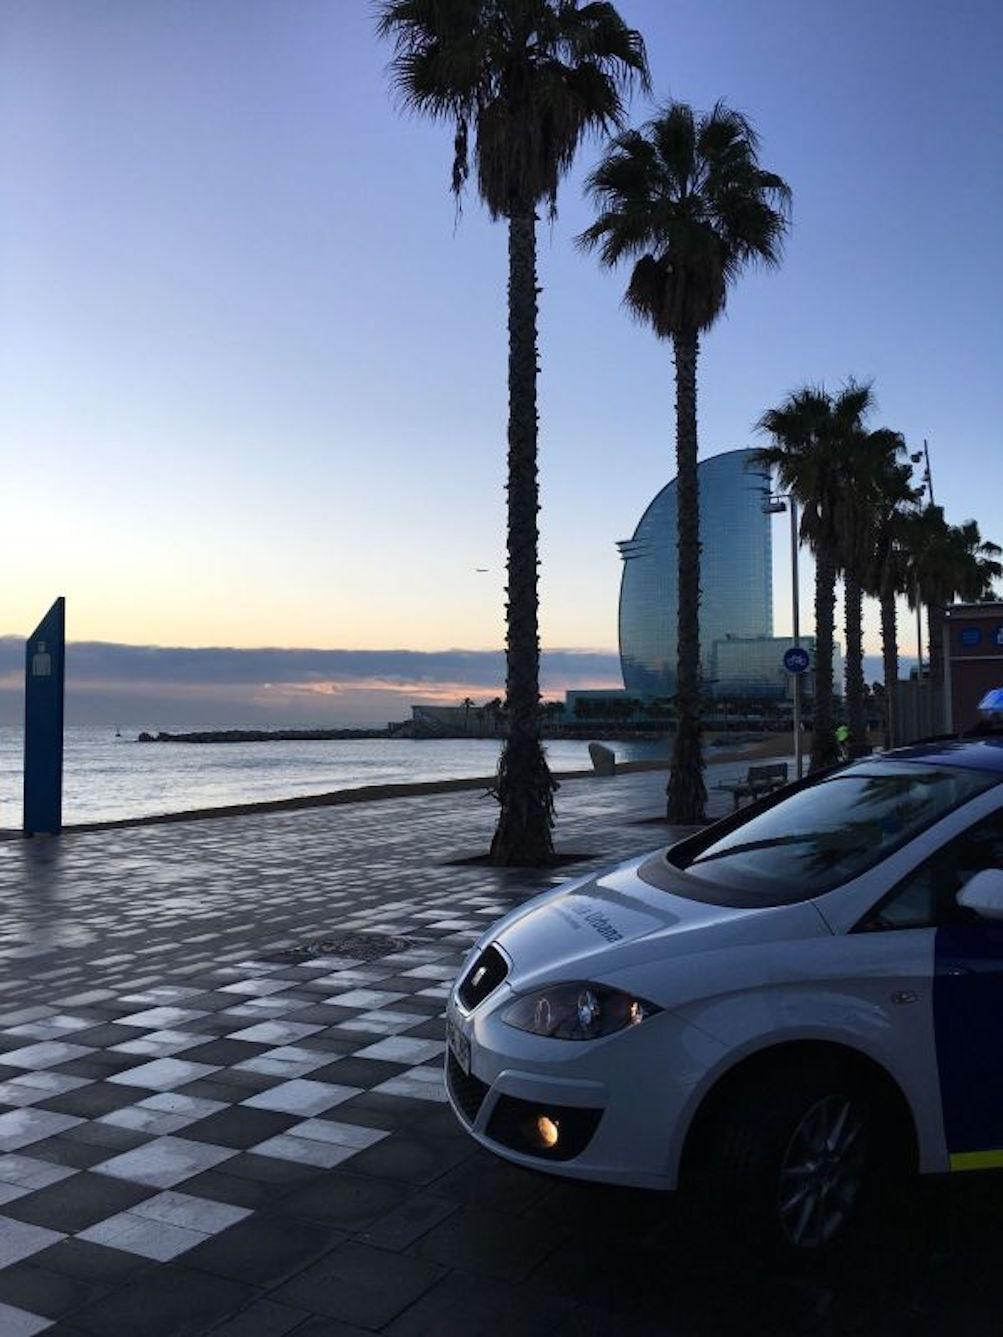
[[983, 893]]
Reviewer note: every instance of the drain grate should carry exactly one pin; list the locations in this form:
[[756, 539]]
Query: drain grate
[[358, 946]]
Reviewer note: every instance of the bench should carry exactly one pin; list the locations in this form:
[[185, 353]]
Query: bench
[[759, 781]]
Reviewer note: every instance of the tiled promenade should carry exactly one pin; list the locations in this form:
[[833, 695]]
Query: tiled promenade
[[197, 1138]]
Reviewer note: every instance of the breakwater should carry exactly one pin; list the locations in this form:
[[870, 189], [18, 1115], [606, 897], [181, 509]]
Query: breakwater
[[260, 735]]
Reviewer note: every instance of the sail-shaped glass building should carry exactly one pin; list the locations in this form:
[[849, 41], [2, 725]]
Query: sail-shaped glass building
[[736, 598]]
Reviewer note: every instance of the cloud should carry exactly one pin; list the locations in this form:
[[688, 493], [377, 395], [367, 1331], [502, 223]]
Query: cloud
[[151, 685]]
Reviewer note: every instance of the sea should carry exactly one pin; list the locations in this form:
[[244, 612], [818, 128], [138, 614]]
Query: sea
[[107, 777]]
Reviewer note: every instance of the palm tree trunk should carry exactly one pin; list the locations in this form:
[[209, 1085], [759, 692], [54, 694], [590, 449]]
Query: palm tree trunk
[[853, 610], [823, 746], [935, 654], [890, 657], [524, 786], [686, 791]]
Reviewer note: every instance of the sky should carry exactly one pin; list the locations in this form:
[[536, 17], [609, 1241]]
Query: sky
[[252, 365]]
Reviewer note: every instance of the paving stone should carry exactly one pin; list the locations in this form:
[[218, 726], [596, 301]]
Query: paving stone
[[466, 1306], [164, 1074], [264, 1319], [20, 1128], [28, 1173], [410, 1160], [239, 1127], [363, 1073], [165, 1302], [42, 1291], [302, 1096], [269, 1169], [486, 1243], [165, 1162], [266, 1247], [89, 1101], [342, 1198], [68, 1154], [16, 1322], [484, 1181], [20, 1239], [157, 1240], [110, 1136], [44, 1055], [360, 1285], [408, 1221], [75, 1203], [221, 1053], [89, 1262]]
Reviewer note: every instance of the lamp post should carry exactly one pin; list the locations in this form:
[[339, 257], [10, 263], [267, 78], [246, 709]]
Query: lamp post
[[776, 503]]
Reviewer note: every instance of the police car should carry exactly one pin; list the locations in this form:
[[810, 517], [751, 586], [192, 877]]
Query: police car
[[775, 1009]]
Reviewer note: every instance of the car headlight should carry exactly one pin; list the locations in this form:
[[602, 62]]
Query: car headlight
[[577, 1012]]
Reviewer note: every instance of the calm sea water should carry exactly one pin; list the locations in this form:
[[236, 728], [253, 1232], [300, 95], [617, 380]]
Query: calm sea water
[[107, 777]]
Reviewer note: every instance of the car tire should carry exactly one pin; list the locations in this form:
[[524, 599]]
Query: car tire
[[788, 1160]]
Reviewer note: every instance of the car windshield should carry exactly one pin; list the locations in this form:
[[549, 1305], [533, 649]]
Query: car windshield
[[826, 834]]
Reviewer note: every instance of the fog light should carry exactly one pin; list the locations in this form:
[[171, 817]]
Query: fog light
[[548, 1130]]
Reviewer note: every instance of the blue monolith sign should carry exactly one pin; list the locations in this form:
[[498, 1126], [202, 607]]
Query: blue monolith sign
[[44, 684]]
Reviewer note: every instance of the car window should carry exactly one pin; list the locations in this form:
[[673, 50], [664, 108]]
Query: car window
[[826, 834], [927, 897]]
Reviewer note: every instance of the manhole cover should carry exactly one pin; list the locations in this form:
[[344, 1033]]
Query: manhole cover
[[358, 946]]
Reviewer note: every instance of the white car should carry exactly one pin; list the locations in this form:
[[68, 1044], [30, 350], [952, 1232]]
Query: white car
[[771, 1009]]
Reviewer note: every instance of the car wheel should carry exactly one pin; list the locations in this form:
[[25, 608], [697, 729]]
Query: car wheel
[[791, 1157]]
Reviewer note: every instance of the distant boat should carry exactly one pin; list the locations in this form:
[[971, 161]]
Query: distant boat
[[118, 733]]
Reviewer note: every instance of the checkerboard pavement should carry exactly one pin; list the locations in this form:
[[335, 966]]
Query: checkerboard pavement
[[203, 1132], [156, 1123]]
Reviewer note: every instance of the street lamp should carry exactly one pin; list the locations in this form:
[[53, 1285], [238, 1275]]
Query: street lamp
[[776, 503]]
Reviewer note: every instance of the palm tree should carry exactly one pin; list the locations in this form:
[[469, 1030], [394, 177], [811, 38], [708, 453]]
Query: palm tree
[[946, 562], [887, 579], [811, 431], [686, 199], [522, 82], [868, 462]]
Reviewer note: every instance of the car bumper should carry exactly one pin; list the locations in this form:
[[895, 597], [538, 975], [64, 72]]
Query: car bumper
[[620, 1104]]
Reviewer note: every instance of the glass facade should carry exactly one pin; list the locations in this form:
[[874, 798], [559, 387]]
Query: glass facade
[[736, 598], [754, 668]]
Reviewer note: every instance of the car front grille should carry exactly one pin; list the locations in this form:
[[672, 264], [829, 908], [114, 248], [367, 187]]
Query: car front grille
[[468, 1091], [483, 977]]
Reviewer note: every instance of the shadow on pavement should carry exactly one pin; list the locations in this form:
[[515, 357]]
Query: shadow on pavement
[[925, 1262]]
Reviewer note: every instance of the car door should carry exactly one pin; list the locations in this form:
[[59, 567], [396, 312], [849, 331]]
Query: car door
[[967, 989]]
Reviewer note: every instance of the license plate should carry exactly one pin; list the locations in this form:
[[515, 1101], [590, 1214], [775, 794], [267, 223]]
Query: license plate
[[460, 1045]]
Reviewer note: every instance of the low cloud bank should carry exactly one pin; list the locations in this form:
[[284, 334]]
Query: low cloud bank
[[155, 685]]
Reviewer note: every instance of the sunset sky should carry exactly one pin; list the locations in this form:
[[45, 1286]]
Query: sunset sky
[[252, 367]]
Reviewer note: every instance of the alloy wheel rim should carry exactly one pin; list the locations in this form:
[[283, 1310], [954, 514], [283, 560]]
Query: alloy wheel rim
[[822, 1172]]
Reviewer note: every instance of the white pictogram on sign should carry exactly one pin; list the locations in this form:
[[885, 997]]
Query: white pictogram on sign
[[41, 662]]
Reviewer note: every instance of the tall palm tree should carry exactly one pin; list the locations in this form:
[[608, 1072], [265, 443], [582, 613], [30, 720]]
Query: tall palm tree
[[522, 82], [887, 579], [811, 430], [868, 461], [946, 562], [686, 199]]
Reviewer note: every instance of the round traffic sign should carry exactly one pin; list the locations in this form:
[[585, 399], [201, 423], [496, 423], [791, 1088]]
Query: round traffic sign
[[797, 660]]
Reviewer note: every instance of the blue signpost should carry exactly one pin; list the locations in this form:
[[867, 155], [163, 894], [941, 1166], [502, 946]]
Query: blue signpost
[[44, 686], [797, 659]]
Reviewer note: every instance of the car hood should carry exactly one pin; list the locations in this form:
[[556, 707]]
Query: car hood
[[615, 920]]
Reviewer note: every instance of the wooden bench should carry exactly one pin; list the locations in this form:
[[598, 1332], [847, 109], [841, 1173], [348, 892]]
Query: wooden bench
[[759, 781]]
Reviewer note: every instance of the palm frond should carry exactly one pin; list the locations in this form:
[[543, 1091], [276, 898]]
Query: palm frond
[[686, 192], [525, 81]]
